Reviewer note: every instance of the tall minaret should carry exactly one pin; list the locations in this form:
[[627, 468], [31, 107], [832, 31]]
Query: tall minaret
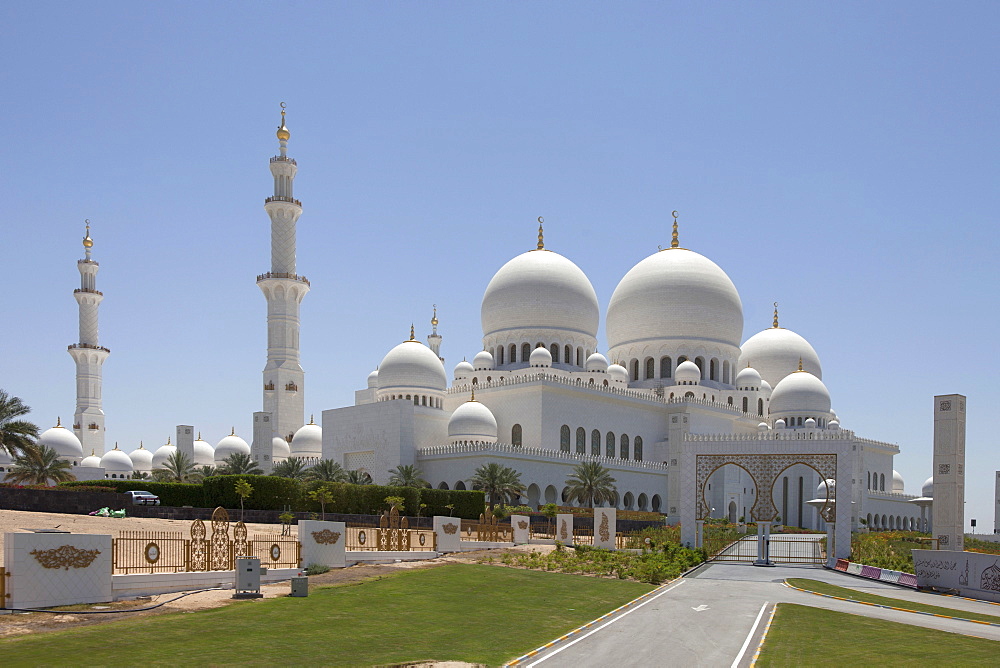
[[283, 289], [88, 423], [434, 339]]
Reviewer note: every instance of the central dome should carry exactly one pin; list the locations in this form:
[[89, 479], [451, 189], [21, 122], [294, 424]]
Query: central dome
[[675, 294], [540, 290], [411, 365]]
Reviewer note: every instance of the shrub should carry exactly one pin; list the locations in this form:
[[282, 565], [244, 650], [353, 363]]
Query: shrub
[[170, 493], [269, 492], [315, 569]]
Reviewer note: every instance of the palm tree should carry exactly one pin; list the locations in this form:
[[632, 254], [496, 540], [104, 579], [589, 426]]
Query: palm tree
[[206, 471], [178, 468], [37, 465], [293, 468], [239, 463], [590, 482], [328, 470], [407, 475], [15, 434], [501, 483], [358, 477]]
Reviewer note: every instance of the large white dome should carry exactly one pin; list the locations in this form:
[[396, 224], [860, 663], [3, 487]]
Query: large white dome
[[91, 461], [674, 294], [204, 453], [230, 445], [775, 353], [897, 481], [540, 290], [472, 421], [411, 365], [63, 441], [800, 393], [142, 459], [162, 454], [280, 450], [116, 461], [308, 440]]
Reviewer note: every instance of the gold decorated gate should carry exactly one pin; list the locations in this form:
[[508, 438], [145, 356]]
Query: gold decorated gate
[[393, 534]]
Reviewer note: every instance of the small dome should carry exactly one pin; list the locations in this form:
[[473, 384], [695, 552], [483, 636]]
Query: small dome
[[162, 454], [116, 461], [472, 421], [800, 392], [765, 387], [142, 459], [618, 372], [897, 481], [280, 450], [91, 461], [373, 379], [687, 372], [762, 427], [308, 440], [821, 489], [204, 453], [775, 353], [810, 423], [540, 357], [833, 424], [463, 370], [748, 378], [63, 441], [483, 361], [928, 488], [597, 362], [230, 445], [411, 365], [779, 424]]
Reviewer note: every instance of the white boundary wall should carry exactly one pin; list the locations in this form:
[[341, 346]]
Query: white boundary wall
[[611, 516], [564, 528], [32, 585], [450, 540], [332, 554], [521, 536], [973, 574]]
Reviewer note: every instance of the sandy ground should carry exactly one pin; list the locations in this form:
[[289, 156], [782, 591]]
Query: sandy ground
[[38, 622]]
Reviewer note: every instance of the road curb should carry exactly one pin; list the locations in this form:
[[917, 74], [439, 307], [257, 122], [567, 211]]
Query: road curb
[[763, 637]]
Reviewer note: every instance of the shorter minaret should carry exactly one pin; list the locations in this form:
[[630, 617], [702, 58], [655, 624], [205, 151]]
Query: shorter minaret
[[88, 422], [434, 339]]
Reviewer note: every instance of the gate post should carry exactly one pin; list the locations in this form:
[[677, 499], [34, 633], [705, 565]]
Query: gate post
[[763, 544], [831, 544], [699, 536]]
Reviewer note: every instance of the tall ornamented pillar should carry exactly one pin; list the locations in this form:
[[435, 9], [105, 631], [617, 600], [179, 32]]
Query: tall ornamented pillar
[[949, 471], [89, 355]]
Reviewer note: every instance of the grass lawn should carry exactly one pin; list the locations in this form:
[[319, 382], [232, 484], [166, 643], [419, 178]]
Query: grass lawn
[[459, 612], [855, 595], [805, 636]]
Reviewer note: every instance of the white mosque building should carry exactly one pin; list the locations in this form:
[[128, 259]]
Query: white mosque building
[[538, 396]]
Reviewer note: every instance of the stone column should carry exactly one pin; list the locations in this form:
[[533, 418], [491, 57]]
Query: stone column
[[763, 547], [949, 471], [564, 529], [521, 525], [699, 534], [831, 544], [323, 543], [605, 528], [449, 533]]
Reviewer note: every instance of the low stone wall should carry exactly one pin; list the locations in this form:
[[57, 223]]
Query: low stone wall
[[61, 501], [971, 574], [145, 584]]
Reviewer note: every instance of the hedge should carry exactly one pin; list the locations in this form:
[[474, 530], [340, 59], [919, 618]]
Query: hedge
[[269, 492], [170, 493], [370, 500], [468, 504]]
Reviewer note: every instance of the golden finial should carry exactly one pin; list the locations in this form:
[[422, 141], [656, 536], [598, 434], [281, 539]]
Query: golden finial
[[434, 319], [168, 440], [674, 243], [541, 236], [199, 438], [87, 241], [800, 364], [58, 421], [776, 315], [93, 451], [116, 445], [140, 442], [311, 416], [283, 133], [413, 335], [473, 394], [233, 432]]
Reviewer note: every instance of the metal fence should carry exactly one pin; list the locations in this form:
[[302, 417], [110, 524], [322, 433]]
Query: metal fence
[[150, 552]]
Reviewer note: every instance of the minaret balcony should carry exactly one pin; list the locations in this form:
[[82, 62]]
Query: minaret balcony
[[282, 198], [280, 274], [283, 158], [89, 291], [89, 346]]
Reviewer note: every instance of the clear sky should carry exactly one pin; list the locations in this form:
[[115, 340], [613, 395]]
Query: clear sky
[[839, 158]]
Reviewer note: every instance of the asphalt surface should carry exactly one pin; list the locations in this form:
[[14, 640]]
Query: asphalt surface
[[716, 617]]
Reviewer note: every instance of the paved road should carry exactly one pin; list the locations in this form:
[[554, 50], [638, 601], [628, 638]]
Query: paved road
[[709, 617]]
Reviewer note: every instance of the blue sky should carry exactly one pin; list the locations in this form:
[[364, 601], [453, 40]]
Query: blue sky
[[839, 158]]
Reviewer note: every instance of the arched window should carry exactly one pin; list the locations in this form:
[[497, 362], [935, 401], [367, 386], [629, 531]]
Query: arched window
[[623, 450], [595, 442], [869, 487], [681, 359], [637, 449], [635, 369], [700, 361], [581, 440], [713, 369], [760, 407], [689, 395], [525, 352], [475, 380], [746, 404], [554, 349], [881, 482], [650, 368], [656, 503], [610, 445], [515, 435], [564, 438], [665, 369], [579, 356], [730, 401], [725, 372], [568, 354], [500, 355]]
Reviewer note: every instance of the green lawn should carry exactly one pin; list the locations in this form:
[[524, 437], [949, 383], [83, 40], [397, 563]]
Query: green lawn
[[805, 636], [855, 595], [460, 612]]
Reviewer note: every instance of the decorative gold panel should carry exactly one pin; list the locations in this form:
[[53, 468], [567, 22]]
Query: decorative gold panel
[[65, 557], [326, 537]]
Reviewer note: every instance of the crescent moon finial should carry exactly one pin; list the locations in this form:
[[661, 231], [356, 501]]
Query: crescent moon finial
[[674, 243], [541, 237], [282, 105], [775, 315]]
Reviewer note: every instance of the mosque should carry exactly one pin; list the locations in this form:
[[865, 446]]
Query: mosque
[[537, 396]]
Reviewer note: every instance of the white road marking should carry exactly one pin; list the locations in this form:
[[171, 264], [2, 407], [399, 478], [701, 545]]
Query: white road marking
[[701, 608], [746, 643], [606, 624]]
